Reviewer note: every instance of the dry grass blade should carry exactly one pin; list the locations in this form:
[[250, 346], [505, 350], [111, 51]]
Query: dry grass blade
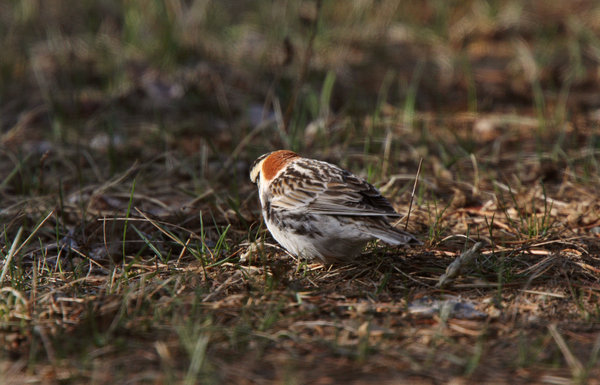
[[576, 366], [159, 228], [191, 289], [11, 254], [544, 293], [412, 195]]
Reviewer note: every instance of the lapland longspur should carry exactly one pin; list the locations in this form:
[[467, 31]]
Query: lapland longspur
[[315, 209]]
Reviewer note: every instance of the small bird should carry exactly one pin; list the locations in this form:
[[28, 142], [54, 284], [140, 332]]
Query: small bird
[[315, 209]]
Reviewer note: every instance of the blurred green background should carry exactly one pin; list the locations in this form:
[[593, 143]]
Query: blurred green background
[[163, 71]]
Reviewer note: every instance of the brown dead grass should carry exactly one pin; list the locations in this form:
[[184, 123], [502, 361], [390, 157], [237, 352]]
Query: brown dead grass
[[152, 266]]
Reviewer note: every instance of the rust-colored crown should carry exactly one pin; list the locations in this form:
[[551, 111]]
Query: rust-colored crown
[[276, 161]]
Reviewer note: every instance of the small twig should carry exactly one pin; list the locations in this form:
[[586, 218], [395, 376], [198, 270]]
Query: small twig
[[412, 195], [454, 268]]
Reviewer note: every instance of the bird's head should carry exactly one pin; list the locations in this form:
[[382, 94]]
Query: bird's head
[[269, 164]]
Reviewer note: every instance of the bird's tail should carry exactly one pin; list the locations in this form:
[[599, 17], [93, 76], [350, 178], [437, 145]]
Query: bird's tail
[[394, 236]]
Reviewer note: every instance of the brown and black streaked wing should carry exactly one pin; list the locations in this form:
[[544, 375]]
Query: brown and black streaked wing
[[322, 188]]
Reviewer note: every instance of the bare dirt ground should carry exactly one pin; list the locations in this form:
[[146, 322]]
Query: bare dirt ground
[[132, 248]]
